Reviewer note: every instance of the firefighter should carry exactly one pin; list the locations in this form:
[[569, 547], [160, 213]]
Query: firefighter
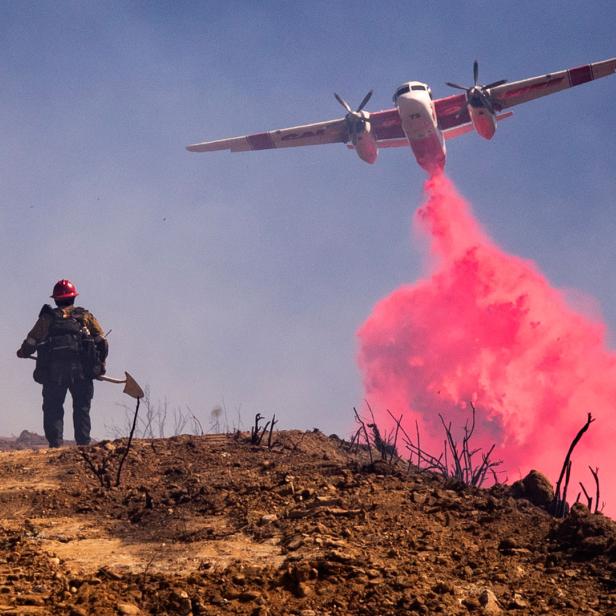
[[71, 350]]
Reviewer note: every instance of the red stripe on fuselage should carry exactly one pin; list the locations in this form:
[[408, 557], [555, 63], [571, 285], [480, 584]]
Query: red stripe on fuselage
[[261, 141], [580, 74]]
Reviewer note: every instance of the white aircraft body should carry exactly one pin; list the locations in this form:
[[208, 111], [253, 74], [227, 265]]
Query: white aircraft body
[[417, 120]]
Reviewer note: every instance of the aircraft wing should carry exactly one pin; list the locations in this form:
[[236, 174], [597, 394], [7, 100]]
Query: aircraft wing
[[333, 131], [385, 124], [516, 92], [451, 112]]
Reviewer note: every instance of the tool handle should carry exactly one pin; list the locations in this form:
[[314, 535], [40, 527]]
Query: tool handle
[[110, 379]]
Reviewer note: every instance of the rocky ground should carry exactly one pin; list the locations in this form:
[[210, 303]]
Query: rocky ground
[[215, 525]]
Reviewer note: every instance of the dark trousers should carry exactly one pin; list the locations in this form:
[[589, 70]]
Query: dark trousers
[[54, 394]]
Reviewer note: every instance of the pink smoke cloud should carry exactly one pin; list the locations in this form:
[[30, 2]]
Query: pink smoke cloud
[[487, 327]]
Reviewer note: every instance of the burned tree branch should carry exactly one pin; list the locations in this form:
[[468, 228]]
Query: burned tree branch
[[588, 497], [255, 430], [595, 475], [559, 504], [383, 445], [418, 445], [394, 450], [365, 431], [130, 440], [271, 431], [98, 470], [564, 506], [433, 463], [462, 466], [197, 425]]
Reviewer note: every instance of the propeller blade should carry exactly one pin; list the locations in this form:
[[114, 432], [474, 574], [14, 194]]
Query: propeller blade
[[486, 100], [475, 71], [364, 101], [343, 103], [455, 85], [500, 82]]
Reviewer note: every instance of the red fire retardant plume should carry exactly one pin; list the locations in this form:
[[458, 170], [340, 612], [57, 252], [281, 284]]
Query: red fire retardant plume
[[486, 327]]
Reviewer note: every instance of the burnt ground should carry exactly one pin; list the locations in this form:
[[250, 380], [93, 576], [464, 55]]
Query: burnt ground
[[215, 525]]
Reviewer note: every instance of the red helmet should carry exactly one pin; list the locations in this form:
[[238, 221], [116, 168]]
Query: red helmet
[[63, 289]]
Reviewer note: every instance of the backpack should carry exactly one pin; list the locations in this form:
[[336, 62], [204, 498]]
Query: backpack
[[68, 349]]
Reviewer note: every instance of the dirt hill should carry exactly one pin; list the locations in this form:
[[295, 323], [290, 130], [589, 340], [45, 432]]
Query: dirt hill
[[215, 525]]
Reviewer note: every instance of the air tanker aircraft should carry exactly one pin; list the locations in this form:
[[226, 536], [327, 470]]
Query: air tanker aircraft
[[418, 120]]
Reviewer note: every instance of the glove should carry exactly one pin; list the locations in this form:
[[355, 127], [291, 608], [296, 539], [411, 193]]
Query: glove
[[24, 353], [28, 346]]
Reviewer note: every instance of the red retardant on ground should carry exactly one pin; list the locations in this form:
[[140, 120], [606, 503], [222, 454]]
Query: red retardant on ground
[[487, 327]]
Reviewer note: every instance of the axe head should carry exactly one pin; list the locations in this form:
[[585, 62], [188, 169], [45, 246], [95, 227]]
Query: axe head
[[132, 388]]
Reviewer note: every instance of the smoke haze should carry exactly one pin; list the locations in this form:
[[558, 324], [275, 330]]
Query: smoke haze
[[487, 327]]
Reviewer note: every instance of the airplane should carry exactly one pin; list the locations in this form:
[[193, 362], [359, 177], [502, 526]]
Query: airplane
[[418, 120]]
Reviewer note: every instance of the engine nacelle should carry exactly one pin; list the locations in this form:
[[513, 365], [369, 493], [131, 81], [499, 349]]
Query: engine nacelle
[[483, 120], [364, 143]]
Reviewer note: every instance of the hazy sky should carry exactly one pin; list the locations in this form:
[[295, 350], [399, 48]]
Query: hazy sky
[[241, 279]]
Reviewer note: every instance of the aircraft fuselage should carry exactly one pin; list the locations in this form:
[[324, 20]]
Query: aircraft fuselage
[[419, 123]]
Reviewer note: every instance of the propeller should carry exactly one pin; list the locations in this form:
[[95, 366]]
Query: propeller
[[356, 120], [477, 94]]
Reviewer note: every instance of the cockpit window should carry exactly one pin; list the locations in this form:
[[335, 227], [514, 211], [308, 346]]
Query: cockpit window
[[418, 88], [401, 90]]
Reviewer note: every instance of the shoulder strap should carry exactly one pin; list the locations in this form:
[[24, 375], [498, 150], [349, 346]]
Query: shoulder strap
[[79, 313], [46, 309]]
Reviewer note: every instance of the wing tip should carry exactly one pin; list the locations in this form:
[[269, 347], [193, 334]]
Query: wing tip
[[235, 144], [194, 147]]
